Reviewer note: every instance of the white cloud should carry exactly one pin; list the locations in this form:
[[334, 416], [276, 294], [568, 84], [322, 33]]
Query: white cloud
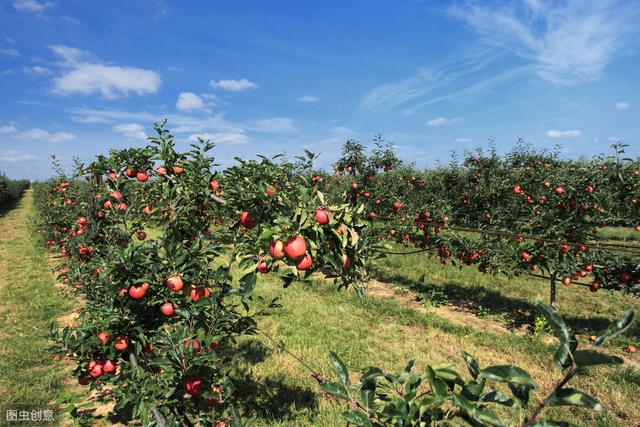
[[4, 130], [36, 70], [463, 140], [131, 130], [12, 156], [228, 138], [32, 5], [308, 99], [36, 134], [110, 81], [563, 133], [569, 42], [233, 85], [9, 51], [442, 121], [622, 105], [189, 101], [274, 124]]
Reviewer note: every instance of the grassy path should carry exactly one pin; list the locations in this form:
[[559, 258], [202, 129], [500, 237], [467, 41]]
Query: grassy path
[[29, 302]]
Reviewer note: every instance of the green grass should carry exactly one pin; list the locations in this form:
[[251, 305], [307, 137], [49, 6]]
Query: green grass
[[28, 304], [381, 332], [619, 234]]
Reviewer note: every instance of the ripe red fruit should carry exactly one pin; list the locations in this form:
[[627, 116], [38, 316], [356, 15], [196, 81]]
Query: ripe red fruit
[[103, 336], [192, 343], [594, 287], [121, 343], [638, 228], [588, 189], [107, 204], [517, 189], [269, 191], [276, 249], [397, 206], [304, 263], [82, 221], [147, 210], [559, 191], [108, 367], [142, 176], [167, 309], [566, 281], [247, 220], [372, 215], [113, 176], [564, 249], [197, 293], [122, 292], [129, 172], [525, 256], [95, 370], [322, 216], [161, 170], [141, 235], [378, 201], [214, 186], [83, 380], [366, 195], [193, 386], [178, 170], [354, 185], [346, 261], [295, 247], [262, 266], [137, 292], [624, 277], [631, 349], [175, 283]]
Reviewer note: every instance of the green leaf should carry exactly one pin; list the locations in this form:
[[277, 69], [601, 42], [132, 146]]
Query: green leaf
[[617, 328], [573, 397], [336, 389], [496, 397], [478, 413], [508, 374], [592, 357], [472, 365], [340, 368], [357, 418], [438, 387], [555, 320]]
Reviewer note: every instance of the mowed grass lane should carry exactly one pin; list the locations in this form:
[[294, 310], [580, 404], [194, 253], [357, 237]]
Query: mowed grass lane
[[29, 302]]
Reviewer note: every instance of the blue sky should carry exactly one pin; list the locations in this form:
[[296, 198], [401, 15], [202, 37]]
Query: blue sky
[[79, 77]]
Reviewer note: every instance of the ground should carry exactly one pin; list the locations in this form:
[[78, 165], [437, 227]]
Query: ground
[[415, 308]]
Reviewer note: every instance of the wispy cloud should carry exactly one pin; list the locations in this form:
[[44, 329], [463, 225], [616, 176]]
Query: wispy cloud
[[4, 130], [36, 70], [552, 133], [9, 51], [13, 156], [569, 42], [442, 121], [110, 81], [32, 5], [622, 105], [308, 99], [223, 138], [274, 124], [37, 134], [233, 85], [131, 130]]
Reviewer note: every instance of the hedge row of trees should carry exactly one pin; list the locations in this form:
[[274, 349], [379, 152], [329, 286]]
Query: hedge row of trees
[[11, 190]]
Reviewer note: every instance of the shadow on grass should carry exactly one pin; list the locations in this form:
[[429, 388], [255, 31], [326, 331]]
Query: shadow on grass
[[7, 207], [268, 398], [516, 312]]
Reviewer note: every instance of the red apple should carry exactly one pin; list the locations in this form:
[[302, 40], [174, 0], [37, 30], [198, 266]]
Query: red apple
[[304, 263], [276, 249], [162, 170], [397, 206], [295, 247], [517, 189], [262, 266], [559, 191], [108, 367], [130, 172], [147, 210], [588, 189], [103, 336], [178, 170], [175, 283], [193, 386], [247, 220], [137, 292], [167, 309], [269, 191], [214, 186], [142, 176], [82, 221], [322, 216], [121, 343]]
